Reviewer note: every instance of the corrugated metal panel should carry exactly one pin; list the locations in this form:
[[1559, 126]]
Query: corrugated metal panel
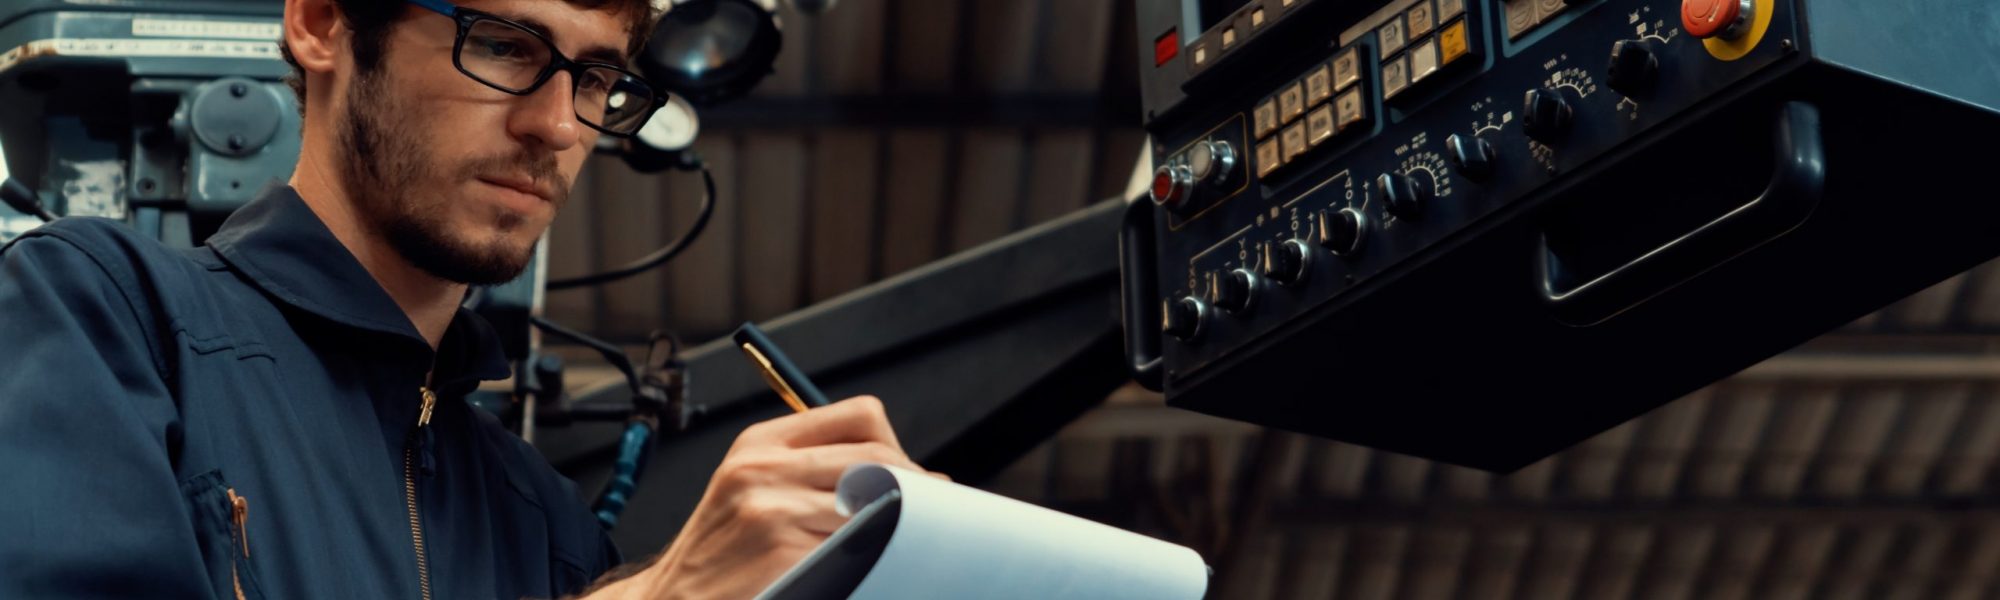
[[814, 209], [1783, 490]]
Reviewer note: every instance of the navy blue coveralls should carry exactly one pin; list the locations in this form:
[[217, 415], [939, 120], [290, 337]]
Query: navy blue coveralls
[[244, 417]]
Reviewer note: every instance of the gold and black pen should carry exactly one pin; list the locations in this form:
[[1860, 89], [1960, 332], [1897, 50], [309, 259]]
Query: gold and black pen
[[783, 376]]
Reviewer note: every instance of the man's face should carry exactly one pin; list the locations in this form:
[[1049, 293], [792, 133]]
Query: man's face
[[461, 178]]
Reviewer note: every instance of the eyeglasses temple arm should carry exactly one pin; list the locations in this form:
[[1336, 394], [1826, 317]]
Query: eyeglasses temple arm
[[439, 6]]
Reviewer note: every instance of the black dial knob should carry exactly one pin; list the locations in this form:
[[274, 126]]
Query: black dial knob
[[1634, 67], [1403, 194], [1342, 231], [1237, 291], [1287, 262], [1472, 154], [1545, 115], [1183, 318]]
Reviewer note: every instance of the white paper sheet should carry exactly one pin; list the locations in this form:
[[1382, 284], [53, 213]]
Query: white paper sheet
[[953, 541]]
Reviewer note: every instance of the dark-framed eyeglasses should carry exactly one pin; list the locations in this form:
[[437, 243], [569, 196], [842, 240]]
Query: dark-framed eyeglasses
[[512, 58]]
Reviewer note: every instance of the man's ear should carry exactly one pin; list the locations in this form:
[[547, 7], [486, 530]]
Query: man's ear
[[315, 32]]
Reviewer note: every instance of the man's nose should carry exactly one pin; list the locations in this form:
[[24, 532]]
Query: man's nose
[[547, 117]]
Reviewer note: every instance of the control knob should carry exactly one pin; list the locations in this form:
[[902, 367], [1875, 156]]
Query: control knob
[[1236, 292], [1634, 67], [1183, 318], [1545, 115], [1287, 262], [1403, 194], [1472, 154], [1342, 231]]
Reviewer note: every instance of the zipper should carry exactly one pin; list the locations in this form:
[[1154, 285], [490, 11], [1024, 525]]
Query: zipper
[[429, 400], [239, 514]]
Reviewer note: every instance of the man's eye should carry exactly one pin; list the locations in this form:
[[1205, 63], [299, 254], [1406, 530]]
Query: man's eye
[[595, 82], [499, 48]]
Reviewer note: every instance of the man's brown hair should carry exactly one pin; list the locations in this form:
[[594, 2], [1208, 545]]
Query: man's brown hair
[[371, 20]]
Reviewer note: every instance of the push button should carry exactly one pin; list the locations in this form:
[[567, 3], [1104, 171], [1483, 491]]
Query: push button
[[1715, 18], [1170, 185], [1265, 118], [1269, 158], [1211, 162]]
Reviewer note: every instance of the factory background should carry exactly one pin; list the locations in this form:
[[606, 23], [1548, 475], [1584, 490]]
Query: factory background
[[896, 132]]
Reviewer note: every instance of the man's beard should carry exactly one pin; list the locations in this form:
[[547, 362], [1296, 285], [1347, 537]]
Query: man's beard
[[388, 161]]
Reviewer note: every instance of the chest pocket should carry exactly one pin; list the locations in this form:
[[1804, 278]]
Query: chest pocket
[[221, 526]]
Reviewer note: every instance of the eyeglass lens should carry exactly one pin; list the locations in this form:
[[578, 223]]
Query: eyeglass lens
[[509, 57]]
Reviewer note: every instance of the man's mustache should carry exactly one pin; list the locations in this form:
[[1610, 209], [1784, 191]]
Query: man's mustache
[[543, 170]]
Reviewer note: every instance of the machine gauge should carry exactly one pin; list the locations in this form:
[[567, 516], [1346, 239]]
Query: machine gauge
[[673, 127]]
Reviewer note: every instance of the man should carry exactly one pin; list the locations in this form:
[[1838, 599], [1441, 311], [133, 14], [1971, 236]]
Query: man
[[278, 413]]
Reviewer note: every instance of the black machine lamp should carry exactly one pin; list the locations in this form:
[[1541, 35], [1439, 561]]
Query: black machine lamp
[[709, 51]]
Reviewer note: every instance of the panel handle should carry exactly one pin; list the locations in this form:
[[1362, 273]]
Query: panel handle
[[1139, 293], [1797, 181]]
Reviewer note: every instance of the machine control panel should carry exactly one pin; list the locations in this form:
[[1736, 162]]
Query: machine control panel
[[1306, 147]]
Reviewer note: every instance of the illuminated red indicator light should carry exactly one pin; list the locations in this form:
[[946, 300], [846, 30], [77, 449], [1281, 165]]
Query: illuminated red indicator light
[[1166, 47]]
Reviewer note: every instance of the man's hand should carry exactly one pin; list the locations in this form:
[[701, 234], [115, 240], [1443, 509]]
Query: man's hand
[[771, 501]]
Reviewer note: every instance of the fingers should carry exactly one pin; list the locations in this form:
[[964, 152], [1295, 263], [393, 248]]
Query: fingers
[[855, 420], [820, 467]]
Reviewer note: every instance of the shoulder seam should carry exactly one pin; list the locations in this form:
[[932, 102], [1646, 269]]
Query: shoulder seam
[[117, 282]]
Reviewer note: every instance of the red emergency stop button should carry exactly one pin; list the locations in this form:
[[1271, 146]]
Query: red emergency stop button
[[1715, 18], [1170, 185]]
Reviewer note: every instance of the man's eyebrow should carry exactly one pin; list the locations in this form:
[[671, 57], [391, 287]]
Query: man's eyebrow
[[599, 54]]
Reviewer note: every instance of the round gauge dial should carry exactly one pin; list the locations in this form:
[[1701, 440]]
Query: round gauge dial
[[673, 127]]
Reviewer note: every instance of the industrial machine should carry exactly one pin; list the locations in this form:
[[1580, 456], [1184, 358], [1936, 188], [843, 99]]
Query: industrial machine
[[1480, 231], [169, 116]]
